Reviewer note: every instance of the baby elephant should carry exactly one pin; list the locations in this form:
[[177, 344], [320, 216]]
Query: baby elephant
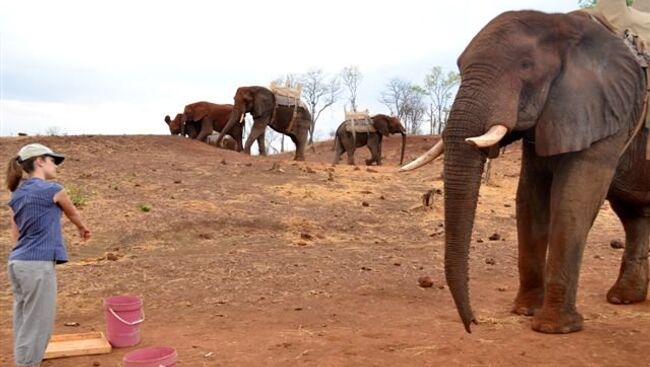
[[351, 135]]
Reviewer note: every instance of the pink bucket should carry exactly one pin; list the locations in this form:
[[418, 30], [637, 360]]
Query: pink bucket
[[150, 357], [123, 318]]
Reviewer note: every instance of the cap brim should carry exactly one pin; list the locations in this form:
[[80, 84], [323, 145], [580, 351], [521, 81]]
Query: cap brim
[[58, 158]]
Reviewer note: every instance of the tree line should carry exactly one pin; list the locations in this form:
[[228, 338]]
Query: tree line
[[422, 108]]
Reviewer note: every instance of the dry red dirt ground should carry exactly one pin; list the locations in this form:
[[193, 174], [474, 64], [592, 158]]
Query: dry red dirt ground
[[305, 264]]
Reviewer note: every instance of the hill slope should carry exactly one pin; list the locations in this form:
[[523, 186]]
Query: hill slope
[[303, 263]]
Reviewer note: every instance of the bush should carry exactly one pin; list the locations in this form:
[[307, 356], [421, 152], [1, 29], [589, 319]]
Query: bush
[[145, 207], [77, 196]]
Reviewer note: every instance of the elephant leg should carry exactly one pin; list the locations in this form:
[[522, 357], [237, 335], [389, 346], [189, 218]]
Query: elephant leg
[[206, 129], [338, 150], [373, 146], [533, 195], [300, 140], [259, 126], [580, 183], [350, 146], [632, 283], [261, 145]]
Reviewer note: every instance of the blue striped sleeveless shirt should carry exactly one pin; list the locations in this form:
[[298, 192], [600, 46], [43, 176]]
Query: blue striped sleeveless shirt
[[39, 222]]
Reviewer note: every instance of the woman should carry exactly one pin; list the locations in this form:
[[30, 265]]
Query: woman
[[35, 206]]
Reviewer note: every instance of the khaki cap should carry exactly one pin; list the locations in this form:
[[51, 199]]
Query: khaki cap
[[37, 150]]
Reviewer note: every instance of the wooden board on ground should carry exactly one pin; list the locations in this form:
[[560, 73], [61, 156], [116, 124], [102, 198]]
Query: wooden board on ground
[[68, 345]]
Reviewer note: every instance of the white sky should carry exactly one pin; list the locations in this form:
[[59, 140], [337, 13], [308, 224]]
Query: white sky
[[118, 67]]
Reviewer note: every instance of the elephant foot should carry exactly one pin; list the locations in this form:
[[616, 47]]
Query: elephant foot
[[369, 162], [632, 284], [556, 322], [528, 302]]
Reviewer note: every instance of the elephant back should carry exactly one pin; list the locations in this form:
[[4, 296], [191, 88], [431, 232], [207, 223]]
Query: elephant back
[[359, 126]]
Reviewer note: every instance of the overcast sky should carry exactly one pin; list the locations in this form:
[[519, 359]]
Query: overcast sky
[[118, 67]]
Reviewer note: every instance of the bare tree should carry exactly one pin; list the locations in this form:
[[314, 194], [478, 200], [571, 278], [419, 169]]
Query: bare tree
[[352, 77], [319, 94], [405, 101], [439, 88]]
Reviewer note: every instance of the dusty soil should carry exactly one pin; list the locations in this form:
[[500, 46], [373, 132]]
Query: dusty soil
[[305, 264]]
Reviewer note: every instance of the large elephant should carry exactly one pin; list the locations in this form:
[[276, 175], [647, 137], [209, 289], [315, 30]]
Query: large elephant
[[348, 141], [574, 93], [260, 102]]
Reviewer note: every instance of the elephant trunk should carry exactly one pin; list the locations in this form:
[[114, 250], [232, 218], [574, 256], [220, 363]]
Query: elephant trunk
[[463, 168], [235, 117], [401, 155]]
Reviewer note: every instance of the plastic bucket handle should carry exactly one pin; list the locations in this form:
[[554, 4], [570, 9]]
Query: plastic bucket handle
[[124, 321]]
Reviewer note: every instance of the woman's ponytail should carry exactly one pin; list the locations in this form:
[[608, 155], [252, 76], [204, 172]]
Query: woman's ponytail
[[14, 174]]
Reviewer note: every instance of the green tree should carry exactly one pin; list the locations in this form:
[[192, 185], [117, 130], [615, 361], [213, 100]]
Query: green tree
[[439, 88]]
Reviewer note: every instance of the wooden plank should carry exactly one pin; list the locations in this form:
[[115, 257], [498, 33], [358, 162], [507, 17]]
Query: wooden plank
[[287, 91], [68, 345], [358, 115]]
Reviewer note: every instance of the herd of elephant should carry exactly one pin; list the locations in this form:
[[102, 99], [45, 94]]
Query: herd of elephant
[[199, 121], [576, 95]]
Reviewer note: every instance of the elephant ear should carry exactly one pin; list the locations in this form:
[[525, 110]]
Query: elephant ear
[[200, 111], [263, 102], [381, 125], [168, 120], [595, 94]]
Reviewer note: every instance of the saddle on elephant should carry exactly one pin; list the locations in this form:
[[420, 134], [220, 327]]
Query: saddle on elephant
[[286, 96], [358, 122]]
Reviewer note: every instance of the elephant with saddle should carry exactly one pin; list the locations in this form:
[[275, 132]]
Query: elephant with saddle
[[575, 93], [284, 116], [370, 131]]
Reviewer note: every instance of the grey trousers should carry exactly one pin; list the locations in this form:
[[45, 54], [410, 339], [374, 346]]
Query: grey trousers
[[34, 287]]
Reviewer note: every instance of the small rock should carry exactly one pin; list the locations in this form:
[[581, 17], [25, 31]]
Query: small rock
[[507, 205], [301, 243], [309, 170], [617, 244], [480, 240], [397, 264], [248, 164], [597, 257], [223, 161], [177, 181], [495, 237], [490, 261], [425, 282], [441, 286], [306, 236], [298, 309], [208, 355], [365, 268], [96, 363], [71, 323], [330, 176], [357, 169], [111, 256], [205, 236], [382, 197], [371, 170], [365, 203], [502, 289]]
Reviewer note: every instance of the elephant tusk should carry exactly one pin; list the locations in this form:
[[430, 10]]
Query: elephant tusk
[[491, 137], [241, 118], [425, 158]]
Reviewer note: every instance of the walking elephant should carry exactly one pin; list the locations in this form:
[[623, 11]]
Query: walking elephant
[[347, 139], [261, 103], [574, 93]]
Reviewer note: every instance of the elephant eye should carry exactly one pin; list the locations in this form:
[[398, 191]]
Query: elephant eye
[[526, 64]]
